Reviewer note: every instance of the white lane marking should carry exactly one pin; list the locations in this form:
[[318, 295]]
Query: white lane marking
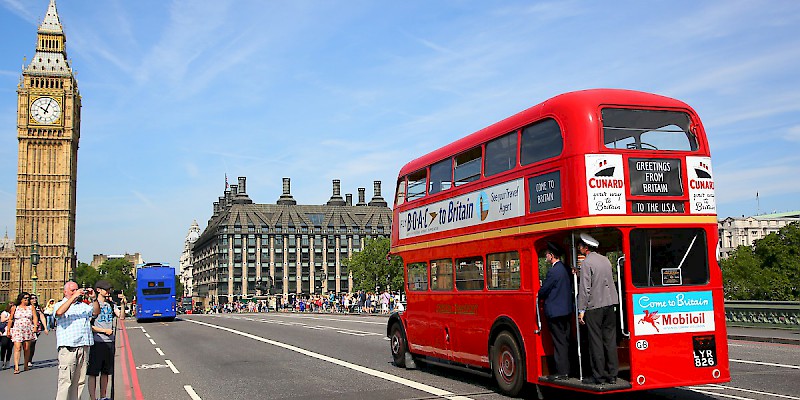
[[191, 392], [158, 350], [172, 366], [152, 341], [735, 345], [282, 315], [721, 394], [783, 396], [318, 327], [147, 335], [766, 363], [135, 327], [378, 374]]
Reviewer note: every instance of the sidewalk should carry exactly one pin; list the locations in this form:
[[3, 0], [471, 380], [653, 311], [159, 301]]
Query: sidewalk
[[40, 382]]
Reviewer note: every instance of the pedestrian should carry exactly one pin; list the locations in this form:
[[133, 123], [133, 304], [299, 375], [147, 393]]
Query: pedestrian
[[597, 296], [101, 354], [556, 294], [73, 339], [6, 347], [40, 325], [48, 313], [23, 329], [385, 302]]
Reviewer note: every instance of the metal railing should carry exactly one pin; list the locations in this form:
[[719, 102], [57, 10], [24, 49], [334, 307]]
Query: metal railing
[[765, 314]]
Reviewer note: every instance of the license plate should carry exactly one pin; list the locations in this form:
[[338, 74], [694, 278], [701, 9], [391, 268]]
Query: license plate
[[158, 314], [705, 351]]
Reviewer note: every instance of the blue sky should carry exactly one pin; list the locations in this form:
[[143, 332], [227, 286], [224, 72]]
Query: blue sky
[[176, 94]]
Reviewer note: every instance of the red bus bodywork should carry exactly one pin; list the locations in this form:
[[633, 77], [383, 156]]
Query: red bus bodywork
[[460, 327]]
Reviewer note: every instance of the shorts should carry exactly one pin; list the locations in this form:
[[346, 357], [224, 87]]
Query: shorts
[[101, 359]]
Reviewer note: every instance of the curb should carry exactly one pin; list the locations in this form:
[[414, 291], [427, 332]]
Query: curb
[[763, 339]]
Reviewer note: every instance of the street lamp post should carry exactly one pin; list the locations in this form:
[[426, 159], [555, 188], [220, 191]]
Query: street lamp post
[[34, 263]]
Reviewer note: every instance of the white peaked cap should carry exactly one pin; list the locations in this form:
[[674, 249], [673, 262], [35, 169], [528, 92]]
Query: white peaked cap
[[589, 240]]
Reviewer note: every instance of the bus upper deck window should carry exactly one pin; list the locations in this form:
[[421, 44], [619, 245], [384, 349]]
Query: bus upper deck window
[[540, 141], [501, 154], [400, 196], [441, 176], [647, 130], [468, 166], [416, 184]]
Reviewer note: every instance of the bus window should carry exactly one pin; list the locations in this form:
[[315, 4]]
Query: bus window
[[469, 273], [668, 257], [441, 176], [400, 196], [647, 130], [416, 184], [501, 154], [442, 274], [540, 141], [468, 166], [417, 277], [503, 272]]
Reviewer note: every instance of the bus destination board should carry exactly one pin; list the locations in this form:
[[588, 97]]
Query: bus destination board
[[655, 177]]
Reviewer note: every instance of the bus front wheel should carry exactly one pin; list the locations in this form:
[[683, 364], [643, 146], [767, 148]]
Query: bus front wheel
[[507, 364], [399, 346]]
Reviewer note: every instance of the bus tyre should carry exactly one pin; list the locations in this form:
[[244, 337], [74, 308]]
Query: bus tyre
[[507, 364], [397, 342]]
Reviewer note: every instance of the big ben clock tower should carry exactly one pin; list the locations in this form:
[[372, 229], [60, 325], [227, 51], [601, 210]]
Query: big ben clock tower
[[48, 129]]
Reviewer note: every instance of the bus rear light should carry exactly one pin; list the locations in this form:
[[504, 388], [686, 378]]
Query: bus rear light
[[716, 373], [640, 379]]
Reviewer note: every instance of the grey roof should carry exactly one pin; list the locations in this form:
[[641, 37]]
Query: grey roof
[[51, 23], [50, 64], [273, 215]]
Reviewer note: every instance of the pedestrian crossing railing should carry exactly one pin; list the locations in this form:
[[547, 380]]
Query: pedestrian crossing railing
[[774, 314]]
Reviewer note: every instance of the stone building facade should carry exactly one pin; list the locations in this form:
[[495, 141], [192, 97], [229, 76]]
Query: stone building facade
[[744, 231], [186, 263], [297, 248]]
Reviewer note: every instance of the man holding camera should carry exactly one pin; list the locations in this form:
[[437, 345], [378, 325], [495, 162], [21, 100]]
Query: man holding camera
[[74, 338]]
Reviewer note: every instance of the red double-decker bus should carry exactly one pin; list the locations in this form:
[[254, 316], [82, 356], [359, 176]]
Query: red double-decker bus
[[471, 221]]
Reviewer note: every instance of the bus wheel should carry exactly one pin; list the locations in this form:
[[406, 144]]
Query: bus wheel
[[509, 370], [397, 341]]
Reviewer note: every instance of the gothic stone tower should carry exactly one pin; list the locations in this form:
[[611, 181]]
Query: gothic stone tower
[[48, 121]]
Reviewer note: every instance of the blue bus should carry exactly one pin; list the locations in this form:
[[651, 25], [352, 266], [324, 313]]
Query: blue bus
[[155, 292]]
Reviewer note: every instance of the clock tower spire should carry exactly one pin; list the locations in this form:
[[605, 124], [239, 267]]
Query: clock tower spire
[[48, 130]]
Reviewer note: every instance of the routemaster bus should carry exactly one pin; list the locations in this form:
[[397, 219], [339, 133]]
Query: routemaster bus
[[155, 292], [472, 219]]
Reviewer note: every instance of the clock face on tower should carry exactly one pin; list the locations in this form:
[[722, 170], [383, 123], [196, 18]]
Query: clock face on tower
[[45, 110]]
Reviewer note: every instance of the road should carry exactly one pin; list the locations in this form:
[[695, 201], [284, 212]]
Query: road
[[317, 356]]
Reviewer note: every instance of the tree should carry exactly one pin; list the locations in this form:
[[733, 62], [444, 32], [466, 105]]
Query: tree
[[767, 271], [373, 267], [178, 287], [86, 275], [118, 272]]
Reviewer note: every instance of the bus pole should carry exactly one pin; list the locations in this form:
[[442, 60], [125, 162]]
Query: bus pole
[[575, 269]]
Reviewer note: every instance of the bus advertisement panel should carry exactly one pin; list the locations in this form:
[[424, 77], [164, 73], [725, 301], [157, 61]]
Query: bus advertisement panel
[[155, 292]]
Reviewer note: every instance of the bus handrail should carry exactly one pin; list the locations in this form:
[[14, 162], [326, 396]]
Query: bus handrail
[[619, 294], [538, 317]]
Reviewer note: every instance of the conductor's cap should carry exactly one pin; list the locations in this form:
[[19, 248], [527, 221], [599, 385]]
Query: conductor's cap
[[589, 240]]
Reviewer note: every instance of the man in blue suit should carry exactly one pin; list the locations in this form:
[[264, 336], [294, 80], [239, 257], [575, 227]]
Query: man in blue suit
[[556, 293]]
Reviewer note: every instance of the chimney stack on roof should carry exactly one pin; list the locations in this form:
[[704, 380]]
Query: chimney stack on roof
[[348, 199], [377, 200], [362, 197], [336, 198], [242, 180], [286, 198]]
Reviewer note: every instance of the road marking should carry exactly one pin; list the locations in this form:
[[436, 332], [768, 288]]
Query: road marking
[[152, 341], [172, 366], [766, 363], [378, 374], [730, 396], [735, 345], [191, 392], [151, 366], [158, 350], [147, 335], [783, 396]]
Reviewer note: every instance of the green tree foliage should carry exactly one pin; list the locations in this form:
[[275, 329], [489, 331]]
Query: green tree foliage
[[116, 271], [371, 267], [178, 288], [770, 270]]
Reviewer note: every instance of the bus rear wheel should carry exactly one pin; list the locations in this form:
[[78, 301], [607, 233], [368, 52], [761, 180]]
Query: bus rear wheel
[[507, 365], [399, 346]]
